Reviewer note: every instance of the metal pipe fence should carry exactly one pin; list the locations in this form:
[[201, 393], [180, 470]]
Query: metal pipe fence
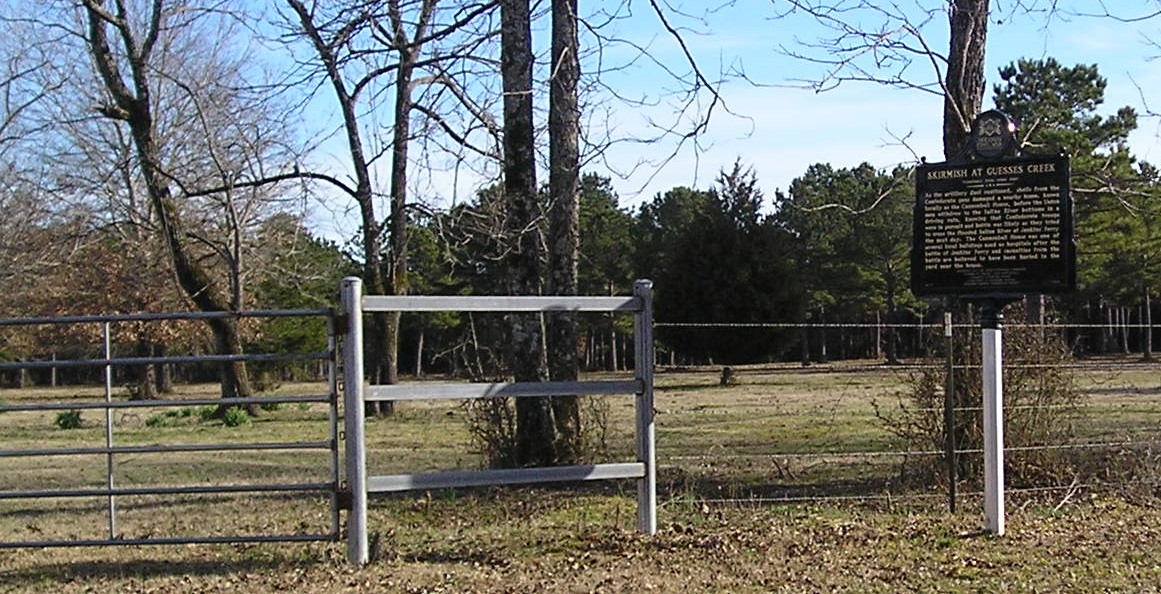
[[778, 433], [46, 464]]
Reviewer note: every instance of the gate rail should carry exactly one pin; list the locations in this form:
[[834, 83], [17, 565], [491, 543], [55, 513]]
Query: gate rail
[[354, 304], [110, 450]]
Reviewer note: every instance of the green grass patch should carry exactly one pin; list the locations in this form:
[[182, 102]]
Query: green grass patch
[[170, 418], [70, 419], [236, 416]]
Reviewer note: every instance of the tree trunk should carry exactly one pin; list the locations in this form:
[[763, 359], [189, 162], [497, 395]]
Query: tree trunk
[[614, 355], [892, 322], [400, 140], [823, 357], [378, 327], [534, 427], [878, 354], [1147, 322], [804, 339], [1124, 315], [164, 372], [419, 354], [1107, 333], [564, 226], [146, 388], [964, 92], [134, 107]]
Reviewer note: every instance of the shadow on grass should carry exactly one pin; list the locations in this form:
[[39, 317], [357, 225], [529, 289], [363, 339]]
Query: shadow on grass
[[110, 570], [137, 503]]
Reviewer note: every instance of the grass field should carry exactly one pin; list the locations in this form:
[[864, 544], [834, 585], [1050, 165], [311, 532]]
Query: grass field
[[786, 481]]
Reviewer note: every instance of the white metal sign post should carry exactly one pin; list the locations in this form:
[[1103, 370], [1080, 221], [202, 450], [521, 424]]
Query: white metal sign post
[[991, 325]]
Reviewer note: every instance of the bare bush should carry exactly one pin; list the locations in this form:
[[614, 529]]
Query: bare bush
[[1042, 407], [492, 426]]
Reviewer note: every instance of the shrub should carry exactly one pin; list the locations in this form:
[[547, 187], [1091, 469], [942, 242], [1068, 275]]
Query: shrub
[[70, 419], [236, 416], [492, 426], [1041, 407]]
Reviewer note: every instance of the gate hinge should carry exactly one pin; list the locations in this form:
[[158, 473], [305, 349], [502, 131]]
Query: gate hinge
[[343, 499], [342, 323]]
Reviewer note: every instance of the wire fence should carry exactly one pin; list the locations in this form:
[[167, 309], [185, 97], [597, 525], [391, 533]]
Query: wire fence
[[852, 431], [820, 341], [778, 431]]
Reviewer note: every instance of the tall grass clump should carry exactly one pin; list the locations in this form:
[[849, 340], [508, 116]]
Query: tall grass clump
[[69, 419], [236, 416]]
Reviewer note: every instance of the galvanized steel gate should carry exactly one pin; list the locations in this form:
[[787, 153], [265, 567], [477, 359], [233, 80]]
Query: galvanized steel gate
[[358, 485], [112, 451]]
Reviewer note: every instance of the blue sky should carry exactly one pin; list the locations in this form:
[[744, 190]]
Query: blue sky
[[777, 127], [780, 130]]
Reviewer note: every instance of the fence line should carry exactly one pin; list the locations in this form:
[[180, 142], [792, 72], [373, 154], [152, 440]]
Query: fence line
[[909, 325], [1117, 419], [901, 496], [386, 484], [167, 316], [897, 453]]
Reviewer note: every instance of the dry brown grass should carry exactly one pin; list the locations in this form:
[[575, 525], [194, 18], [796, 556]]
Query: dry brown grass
[[544, 542], [723, 451]]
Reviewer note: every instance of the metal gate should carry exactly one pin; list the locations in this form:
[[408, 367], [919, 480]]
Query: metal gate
[[68, 480], [644, 469]]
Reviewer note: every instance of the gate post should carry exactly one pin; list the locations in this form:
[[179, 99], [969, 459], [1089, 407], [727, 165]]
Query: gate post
[[646, 450], [351, 300]]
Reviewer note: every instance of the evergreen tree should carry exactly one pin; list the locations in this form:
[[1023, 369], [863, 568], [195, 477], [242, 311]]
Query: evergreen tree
[[718, 259], [1117, 221], [852, 230]]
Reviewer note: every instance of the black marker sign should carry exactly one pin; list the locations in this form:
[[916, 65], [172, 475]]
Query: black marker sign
[[993, 228]]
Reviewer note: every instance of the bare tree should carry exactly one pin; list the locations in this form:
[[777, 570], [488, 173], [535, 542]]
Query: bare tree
[[885, 43], [677, 111], [534, 427], [329, 45], [540, 245], [36, 234], [564, 219], [964, 81], [363, 49], [165, 76]]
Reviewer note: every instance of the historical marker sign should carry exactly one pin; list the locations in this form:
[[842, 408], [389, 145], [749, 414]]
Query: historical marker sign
[[1000, 227]]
